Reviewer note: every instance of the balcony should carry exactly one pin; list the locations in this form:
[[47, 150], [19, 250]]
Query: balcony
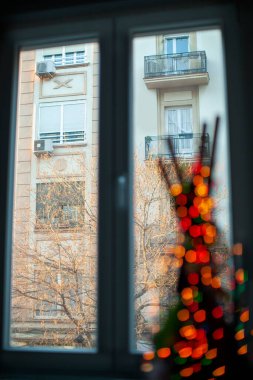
[[186, 145], [176, 70]]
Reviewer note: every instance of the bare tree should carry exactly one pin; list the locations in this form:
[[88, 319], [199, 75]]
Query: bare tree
[[155, 231], [54, 267]]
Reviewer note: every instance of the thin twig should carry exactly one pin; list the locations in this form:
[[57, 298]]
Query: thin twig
[[178, 173], [217, 123]]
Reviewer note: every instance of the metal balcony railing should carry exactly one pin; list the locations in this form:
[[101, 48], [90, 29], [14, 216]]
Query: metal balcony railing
[[175, 64], [186, 145]]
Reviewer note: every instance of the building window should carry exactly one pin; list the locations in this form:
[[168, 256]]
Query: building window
[[58, 292], [47, 304], [179, 125], [176, 45], [60, 205], [63, 122], [67, 58]]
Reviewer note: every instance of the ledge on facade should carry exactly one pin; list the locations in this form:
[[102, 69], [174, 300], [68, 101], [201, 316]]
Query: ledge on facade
[[75, 65], [181, 80]]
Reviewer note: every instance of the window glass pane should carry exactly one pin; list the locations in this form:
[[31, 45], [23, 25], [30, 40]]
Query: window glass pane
[[182, 44], [50, 119], [69, 58], [74, 121], [54, 256], [47, 57], [50, 123], [58, 59], [169, 46], [80, 57], [165, 103]]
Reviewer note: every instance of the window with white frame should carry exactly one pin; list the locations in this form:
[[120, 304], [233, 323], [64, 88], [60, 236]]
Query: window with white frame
[[67, 58], [62, 122], [176, 47], [179, 125]]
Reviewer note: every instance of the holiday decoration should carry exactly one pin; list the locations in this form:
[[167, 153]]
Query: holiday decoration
[[204, 336]]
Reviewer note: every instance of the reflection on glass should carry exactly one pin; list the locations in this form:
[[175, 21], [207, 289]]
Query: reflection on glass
[[54, 259], [178, 84]]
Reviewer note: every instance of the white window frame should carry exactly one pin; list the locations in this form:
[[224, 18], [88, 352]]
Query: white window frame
[[64, 60], [114, 355], [183, 147], [61, 137], [174, 42]]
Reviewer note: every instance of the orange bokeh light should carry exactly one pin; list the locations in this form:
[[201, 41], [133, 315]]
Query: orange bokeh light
[[239, 335], [216, 282], [176, 189], [206, 271], [205, 171], [197, 180], [190, 256], [199, 351], [148, 355], [242, 350], [188, 332], [185, 352], [183, 315], [187, 294], [244, 317], [201, 190], [197, 201], [206, 281], [239, 276], [208, 239], [200, 315], [163, 352], [219, 371], [211, 354], [186, 372], [179, 251]]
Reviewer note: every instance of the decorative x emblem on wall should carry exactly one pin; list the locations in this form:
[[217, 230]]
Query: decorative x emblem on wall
[[62, 84]]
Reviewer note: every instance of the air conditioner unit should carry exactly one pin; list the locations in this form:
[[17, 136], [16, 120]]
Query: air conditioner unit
[[46, 69], [43, 147]]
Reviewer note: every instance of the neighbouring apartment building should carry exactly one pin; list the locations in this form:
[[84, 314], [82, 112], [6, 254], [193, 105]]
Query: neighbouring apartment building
[[178, 83], [55, 196]]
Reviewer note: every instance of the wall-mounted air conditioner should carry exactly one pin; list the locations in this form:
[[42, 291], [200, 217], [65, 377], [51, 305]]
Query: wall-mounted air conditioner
[[43, 147], [45, 69]]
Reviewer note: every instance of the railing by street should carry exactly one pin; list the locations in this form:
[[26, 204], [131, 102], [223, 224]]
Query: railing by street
[[186, 145], [175, 64]]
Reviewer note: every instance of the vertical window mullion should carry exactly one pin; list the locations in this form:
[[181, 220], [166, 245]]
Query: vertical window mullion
[[61, 124]]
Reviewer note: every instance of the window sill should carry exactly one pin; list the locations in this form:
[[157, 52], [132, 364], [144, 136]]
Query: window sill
[[61, 229], [74, 65], [70, 145]]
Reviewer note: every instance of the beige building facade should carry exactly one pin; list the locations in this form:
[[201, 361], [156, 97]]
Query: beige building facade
[[55, 194], [178, 84]]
